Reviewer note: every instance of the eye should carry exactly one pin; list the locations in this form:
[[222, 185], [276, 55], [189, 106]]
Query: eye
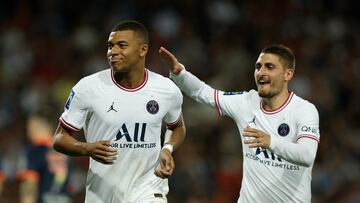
[[110, 45], [269, 66], [122, 45], [257, 66]]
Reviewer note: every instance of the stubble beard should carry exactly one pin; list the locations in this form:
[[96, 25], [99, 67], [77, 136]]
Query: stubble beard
[[265, 95], [118, 69]]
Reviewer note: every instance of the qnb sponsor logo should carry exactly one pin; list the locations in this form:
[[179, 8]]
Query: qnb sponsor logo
[[308, 129]]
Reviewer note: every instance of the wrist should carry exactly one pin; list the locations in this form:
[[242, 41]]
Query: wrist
[[83, 148], [177, 71], [169, 147]]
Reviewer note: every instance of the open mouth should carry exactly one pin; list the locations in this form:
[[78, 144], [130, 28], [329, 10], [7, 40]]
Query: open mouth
[[263, 82]]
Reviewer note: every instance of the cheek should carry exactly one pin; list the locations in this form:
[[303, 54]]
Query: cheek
[[279, 81]]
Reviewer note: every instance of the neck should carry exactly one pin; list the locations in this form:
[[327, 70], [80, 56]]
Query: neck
[[131, 78], [276, 101]]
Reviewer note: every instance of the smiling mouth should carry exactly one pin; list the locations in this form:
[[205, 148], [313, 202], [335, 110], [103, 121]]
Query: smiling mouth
[[263, 82], [114, 60]]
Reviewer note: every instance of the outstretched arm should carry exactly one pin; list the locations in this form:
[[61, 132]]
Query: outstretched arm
[[100, 151], [187, 82], [174, 137]]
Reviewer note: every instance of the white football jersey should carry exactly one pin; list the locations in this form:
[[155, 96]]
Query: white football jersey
[[132, 120], [281, 173]]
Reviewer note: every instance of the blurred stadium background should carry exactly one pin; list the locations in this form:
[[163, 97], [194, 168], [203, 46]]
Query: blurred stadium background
[[47, 46]]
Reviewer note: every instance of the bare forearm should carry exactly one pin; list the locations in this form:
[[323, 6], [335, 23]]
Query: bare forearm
[[67, 144], [175, 134], [175, 137]]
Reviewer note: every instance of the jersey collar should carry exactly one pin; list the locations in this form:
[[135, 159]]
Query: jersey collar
[[134, 89], [278, 109]]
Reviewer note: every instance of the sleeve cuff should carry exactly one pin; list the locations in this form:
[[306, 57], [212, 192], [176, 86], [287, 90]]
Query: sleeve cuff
[[172, 75], [274, 142]]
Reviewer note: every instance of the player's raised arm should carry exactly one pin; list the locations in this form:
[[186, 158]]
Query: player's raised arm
[[187, 82]]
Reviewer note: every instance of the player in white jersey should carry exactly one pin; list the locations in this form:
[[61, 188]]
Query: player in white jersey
[[121, 111], [280, 131]]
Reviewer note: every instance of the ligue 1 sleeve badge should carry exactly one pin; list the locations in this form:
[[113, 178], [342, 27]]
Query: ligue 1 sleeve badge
[[152, 107], [283, 129]]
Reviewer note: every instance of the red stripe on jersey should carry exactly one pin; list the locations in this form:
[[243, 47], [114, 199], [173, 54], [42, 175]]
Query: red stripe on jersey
[[280, 108], [68, 125], [173, 124], [141, 85], [217, 103], [308, 136]]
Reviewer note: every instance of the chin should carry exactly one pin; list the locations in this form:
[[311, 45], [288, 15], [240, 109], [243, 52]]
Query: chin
[[119, 69], [265, 94]]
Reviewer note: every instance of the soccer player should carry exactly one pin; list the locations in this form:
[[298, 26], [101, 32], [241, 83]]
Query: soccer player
[[121, 111], [279, 130], [45, 174]]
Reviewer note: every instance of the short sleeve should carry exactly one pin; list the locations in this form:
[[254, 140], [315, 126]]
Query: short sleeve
[[76, 107], [174, 113], [308, 123]]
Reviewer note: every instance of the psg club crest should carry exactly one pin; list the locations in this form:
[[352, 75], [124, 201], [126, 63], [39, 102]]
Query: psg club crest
[[283, 129], [152, 107]]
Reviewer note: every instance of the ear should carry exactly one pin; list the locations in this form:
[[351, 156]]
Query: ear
[[289, 73], [143, 50]]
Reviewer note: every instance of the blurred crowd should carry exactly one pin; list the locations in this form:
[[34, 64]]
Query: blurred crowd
[[47, 46]]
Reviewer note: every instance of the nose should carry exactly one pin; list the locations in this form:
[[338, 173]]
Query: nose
[[112, 51], [261, 70]]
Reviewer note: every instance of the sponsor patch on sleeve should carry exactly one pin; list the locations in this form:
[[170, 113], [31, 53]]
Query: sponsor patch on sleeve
[[233, 93], [68, 102]]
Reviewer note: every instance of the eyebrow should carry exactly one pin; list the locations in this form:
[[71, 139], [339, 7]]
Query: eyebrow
[[117, 42], [265, 64]]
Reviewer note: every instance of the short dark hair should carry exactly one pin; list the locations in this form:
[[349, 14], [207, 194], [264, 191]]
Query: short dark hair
[[286, 55], [134, 25]]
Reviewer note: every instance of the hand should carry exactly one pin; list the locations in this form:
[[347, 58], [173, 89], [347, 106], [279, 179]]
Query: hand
[[166, 165], [259, 138], [172, 62], [102, 151]]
